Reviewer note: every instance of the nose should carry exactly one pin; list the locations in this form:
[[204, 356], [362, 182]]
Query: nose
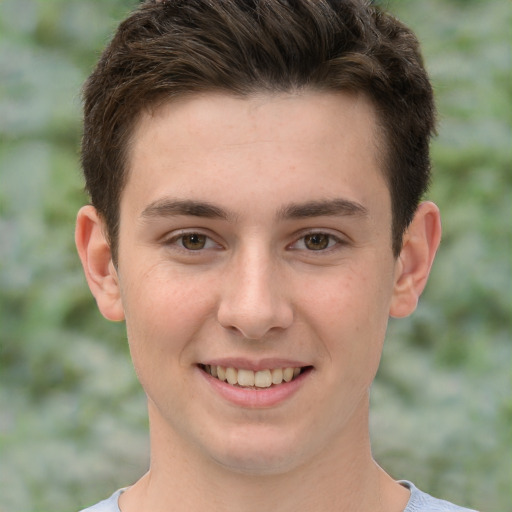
[[254, 301]]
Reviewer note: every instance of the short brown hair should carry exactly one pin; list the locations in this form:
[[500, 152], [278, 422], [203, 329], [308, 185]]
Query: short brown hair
[[171, 48]]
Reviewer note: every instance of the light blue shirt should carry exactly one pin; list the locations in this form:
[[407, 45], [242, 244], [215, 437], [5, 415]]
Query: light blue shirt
[[418, 502]]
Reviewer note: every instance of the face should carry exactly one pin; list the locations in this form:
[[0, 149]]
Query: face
[[256, 273]]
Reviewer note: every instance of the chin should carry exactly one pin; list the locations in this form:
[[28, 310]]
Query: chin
[[262, 454]]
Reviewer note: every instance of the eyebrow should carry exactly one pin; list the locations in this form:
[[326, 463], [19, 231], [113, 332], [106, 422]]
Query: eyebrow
[[176, 207], [331, 207]]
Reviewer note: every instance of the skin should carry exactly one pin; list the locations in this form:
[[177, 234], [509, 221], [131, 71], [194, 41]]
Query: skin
[[254, 177]]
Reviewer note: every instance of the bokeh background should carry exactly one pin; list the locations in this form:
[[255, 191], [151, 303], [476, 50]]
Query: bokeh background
[[72, 416]]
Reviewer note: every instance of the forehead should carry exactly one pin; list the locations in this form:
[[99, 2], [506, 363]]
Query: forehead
[[297, 143], [324, 111]]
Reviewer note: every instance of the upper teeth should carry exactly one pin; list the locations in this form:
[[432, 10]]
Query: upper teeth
[[248, 378]]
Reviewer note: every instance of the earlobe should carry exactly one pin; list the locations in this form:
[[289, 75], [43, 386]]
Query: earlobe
[[96, 257], [420, 244]]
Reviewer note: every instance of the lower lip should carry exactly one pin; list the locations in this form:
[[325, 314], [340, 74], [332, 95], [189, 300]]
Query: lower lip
[[256, 398]]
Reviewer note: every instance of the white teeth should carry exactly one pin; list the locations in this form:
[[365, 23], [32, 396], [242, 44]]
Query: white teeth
[[248, 378], [232, 375], [277, 376], [287, 374], [221, 373], [263, 379]]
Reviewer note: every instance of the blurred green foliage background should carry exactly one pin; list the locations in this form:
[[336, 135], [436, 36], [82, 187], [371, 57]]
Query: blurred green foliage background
[[72, 416]]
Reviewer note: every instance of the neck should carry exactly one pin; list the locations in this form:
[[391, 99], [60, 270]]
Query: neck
[[344, 478]]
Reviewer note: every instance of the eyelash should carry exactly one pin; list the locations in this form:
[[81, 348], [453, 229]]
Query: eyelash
[[178, 241], [333, 242]]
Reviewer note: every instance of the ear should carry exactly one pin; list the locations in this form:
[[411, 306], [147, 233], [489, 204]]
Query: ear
[[420, 244], [100, 272]]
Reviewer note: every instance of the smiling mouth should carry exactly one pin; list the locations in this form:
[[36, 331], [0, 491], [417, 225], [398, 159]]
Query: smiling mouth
[[256, 380]]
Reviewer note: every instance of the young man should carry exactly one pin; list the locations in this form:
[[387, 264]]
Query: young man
[[255, 170]]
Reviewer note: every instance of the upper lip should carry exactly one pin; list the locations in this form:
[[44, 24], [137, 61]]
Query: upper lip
[[255, 365]]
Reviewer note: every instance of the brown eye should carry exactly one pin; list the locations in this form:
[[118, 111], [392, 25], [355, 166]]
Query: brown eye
[[194, 241], [317, 241]]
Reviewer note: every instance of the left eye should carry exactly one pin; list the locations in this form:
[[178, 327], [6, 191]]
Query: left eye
[[316, 242], [193, 241]]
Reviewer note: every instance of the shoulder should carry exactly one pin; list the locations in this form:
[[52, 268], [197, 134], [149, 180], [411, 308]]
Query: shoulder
[[423, 502], [108, 505]]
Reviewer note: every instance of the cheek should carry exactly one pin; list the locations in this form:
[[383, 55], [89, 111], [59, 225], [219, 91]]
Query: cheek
[[164, 311], [349, 311], [346, 294], [163, 320]]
